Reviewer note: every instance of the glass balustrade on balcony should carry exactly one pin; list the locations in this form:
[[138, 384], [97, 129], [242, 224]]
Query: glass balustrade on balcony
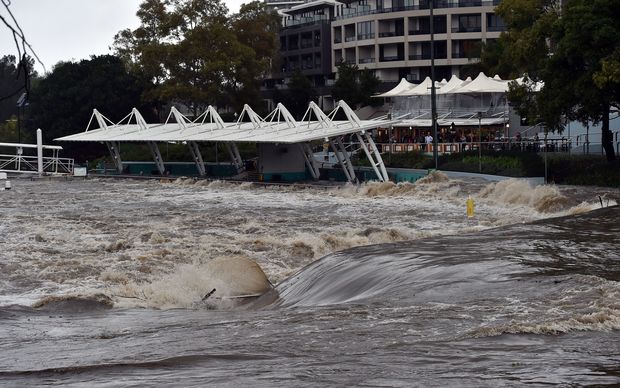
[[366, 36], [391, 58], [466, 29]]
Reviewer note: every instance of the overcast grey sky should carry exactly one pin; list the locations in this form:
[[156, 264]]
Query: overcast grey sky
[[62, 30]]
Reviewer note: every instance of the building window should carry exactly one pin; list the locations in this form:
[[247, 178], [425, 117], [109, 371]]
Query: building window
[[495, 23], [469, 48], [468, 23], [366, 30]]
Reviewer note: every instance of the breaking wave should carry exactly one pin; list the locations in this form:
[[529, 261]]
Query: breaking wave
[[605, 320], [74, 303], [542, 198]]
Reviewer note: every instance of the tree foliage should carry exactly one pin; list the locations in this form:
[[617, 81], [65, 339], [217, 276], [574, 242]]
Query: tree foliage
[[63, 101], [346, 87], [256, 29], [11, 86], [574, 49], [299, 94], [191, 52], [355, 86]]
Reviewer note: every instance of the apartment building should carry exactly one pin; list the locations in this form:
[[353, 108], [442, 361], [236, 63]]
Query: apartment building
[[305, 45], [390, 37]]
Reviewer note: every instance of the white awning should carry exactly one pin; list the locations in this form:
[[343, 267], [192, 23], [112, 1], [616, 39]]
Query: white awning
[[402, 87], [454, 83], [278, 127], [484, 84]]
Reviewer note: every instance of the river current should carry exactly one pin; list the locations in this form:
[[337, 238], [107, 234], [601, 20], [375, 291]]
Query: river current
[[384, 284]]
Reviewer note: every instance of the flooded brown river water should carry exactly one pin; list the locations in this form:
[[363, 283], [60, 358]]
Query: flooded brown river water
[[385, 285]]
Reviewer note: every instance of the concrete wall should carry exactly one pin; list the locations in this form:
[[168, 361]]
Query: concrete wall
[[280, 158]]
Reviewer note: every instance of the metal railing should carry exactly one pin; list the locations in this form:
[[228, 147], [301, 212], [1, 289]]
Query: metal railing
[[466, 29], [578, 144], [18, 162], [28, 164], [391, 58], [370, 35]]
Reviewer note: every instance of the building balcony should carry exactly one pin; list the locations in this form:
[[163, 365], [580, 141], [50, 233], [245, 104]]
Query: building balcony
[[418, 57], [427, 31], [349, 38], [366, 36], [391, 58], [496, 28], [367, 60], [389, 34], [438, 4], [466, 29], [462, 56]]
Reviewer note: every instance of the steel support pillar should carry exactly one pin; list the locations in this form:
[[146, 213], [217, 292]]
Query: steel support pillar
[[197, 156], [343, 159], [373, 147], [347, 160], [233, 151], [115, 151], [159, 162], [310, 162], [370, 150]]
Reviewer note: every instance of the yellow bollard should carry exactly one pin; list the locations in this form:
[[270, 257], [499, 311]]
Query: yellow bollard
[[470, 207]]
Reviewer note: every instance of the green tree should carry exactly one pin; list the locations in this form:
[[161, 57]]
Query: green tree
[[12, 84], [368, 85], [355, 86], [573, 48], [63, 101], [346, 87], [184, 48], [256, 28], [298, 95], [191, 52], [8, 130]]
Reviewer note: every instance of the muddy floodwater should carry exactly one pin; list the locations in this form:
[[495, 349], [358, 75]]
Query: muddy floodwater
[[102, 283]]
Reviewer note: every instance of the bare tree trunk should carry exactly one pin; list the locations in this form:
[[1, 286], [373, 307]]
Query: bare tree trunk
[[607, 137]]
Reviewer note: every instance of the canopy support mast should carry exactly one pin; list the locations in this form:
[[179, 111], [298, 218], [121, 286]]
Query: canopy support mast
[[370, 150], [343, 159], [159, 162], [310, 162]]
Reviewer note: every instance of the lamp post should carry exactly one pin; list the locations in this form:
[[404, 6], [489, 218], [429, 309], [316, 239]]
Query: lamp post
[[433, 93], [480, 142]]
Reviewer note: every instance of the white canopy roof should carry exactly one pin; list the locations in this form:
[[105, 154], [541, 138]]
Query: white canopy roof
[[278, 127], [422, 89], [402, 87], [484, 84], [454, 83]]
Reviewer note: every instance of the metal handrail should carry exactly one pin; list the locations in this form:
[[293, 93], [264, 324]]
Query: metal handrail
[[28, 164]]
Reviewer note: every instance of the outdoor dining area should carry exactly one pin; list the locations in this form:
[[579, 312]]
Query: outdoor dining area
[[471, 114]]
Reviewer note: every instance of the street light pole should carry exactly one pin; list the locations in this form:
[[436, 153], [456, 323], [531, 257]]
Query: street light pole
[[19, 127], [480, 142], [433, 92]]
